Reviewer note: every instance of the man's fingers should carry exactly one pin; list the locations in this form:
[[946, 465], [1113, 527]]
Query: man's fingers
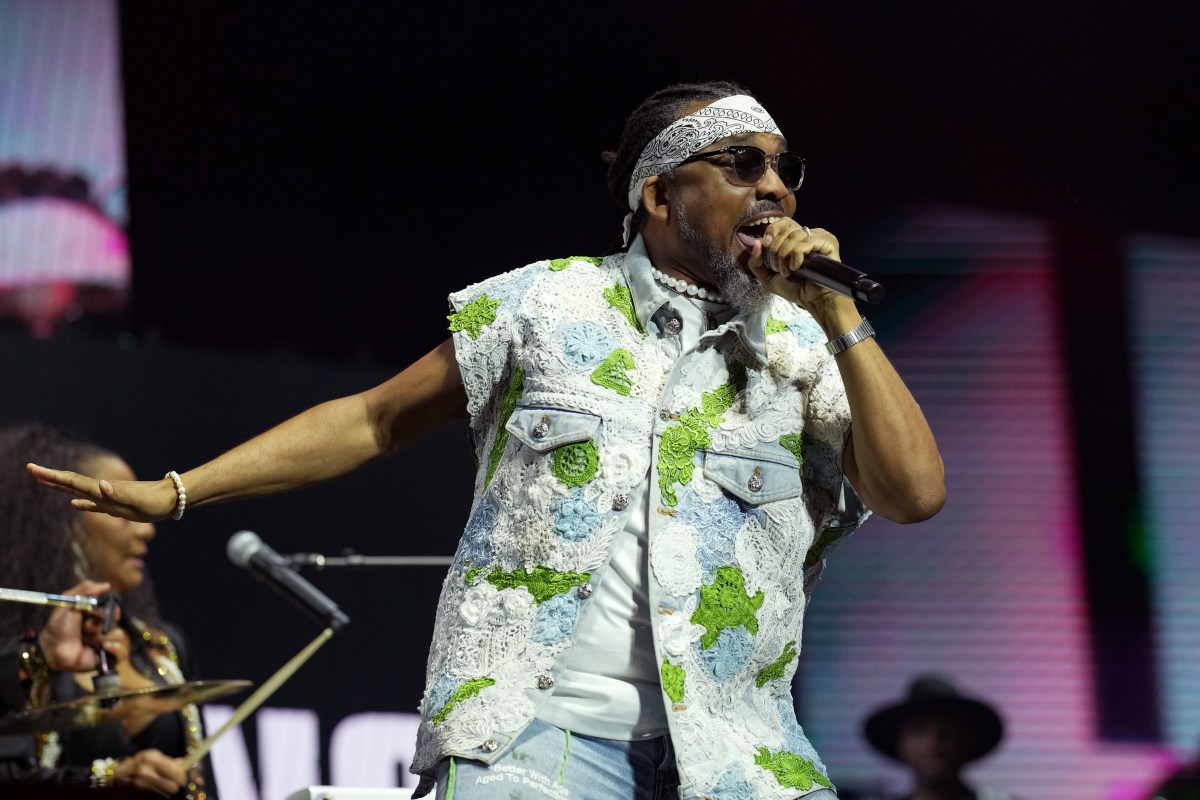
[[67, 482], [52, 477]]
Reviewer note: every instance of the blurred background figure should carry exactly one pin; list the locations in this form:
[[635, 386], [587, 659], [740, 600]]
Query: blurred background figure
[[61, 256], [64, 249], [935, 732], [48, 546]]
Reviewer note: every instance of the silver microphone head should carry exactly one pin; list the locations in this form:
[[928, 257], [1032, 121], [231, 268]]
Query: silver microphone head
[[242, 546]]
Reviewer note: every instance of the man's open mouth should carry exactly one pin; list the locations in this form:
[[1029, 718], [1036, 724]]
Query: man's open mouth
[[752, 231]]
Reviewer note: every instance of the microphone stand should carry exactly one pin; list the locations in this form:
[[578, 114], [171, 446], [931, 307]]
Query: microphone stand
[[352, 559]]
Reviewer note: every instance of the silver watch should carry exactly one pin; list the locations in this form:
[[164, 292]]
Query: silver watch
[[848, 340]]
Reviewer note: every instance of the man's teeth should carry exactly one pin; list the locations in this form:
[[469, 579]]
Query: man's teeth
[[759, 223]]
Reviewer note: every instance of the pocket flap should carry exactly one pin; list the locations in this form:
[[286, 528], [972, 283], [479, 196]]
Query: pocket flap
[[762, 475], [544, 429]]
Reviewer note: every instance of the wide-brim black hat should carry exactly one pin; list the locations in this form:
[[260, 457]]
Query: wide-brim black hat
[[930, 693]]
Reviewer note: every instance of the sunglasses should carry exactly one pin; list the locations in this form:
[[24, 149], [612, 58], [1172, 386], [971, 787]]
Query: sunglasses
[[749, 165]]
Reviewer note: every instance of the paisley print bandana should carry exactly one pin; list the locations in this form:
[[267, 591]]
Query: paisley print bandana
[[687, 135]]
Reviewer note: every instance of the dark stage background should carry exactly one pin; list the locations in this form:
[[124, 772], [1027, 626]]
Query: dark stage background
[[307, 182]]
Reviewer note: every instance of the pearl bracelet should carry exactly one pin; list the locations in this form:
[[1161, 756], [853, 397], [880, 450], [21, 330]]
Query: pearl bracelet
[[180, 494]]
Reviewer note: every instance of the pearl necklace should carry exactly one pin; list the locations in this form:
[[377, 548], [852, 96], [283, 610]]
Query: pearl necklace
[[685, 288]]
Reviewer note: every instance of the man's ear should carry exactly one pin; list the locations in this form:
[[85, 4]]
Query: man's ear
[[655, 198]]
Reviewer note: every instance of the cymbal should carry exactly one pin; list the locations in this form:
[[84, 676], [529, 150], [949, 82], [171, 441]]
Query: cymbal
[[89, 710]]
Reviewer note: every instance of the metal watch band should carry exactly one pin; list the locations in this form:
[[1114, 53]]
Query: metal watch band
[[848, 340]]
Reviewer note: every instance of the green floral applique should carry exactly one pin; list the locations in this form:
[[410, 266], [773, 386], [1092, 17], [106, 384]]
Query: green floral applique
[[725, 604], [576, 464], [673, 678], [793, 442], [542, 582], [775, 670], [613, 373], [776, 325], [680, 442], [825, 540], [619, 298], [790, 769], [464, 692], [507, 406], [475, 315], [559, 264]]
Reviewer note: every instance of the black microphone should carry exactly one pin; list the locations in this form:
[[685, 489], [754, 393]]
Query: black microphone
[[840, 278], [247, 550]]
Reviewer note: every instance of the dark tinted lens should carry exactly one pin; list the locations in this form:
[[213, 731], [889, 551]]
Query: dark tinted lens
[[791, 170], [749, 164]]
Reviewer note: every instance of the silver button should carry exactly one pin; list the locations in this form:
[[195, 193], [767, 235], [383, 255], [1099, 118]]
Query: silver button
[[545, 681], [620, 502], [584, 591], [489, 746], [542, 428], [674, 325], [756, 480]]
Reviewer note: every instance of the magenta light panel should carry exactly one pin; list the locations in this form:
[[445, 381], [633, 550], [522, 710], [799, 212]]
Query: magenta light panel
[[1165, 297], [991, 591], [63, 249]]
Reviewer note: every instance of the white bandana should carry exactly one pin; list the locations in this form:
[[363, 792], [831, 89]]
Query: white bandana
[[687, 135]]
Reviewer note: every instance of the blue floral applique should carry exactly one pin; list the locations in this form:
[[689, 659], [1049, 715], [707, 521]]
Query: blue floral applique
[[556, 619], [718, 524], [806, 331], [576, 518], [794, 739], [440, 694], [585, 344], [726, 658], [476, 547], [733, 785]]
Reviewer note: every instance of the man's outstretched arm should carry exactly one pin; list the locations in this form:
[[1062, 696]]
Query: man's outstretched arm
[[323, 442]]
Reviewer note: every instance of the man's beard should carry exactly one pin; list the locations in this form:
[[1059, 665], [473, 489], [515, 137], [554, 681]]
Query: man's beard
[[740, 289]]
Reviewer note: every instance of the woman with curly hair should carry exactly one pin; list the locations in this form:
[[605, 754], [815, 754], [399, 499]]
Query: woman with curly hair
[[48, 547]]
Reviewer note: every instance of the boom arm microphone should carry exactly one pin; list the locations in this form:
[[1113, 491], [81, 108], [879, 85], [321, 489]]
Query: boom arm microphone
[[839, 277], [247, 550]]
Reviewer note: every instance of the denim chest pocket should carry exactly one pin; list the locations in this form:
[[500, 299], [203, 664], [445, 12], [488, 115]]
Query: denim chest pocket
[[544, 429], [763, 474]]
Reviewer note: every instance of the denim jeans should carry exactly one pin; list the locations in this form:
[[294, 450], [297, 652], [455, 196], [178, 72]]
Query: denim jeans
[[548, 763]]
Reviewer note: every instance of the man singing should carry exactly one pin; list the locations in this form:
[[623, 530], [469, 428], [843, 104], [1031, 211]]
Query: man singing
[[665, 455]]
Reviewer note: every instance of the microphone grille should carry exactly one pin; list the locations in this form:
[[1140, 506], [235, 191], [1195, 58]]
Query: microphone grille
[[242, 546]]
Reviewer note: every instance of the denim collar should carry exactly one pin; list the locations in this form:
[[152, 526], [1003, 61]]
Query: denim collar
[[649, 296]]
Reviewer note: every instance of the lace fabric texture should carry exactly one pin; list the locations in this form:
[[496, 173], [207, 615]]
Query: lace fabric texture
[[571, 397]]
